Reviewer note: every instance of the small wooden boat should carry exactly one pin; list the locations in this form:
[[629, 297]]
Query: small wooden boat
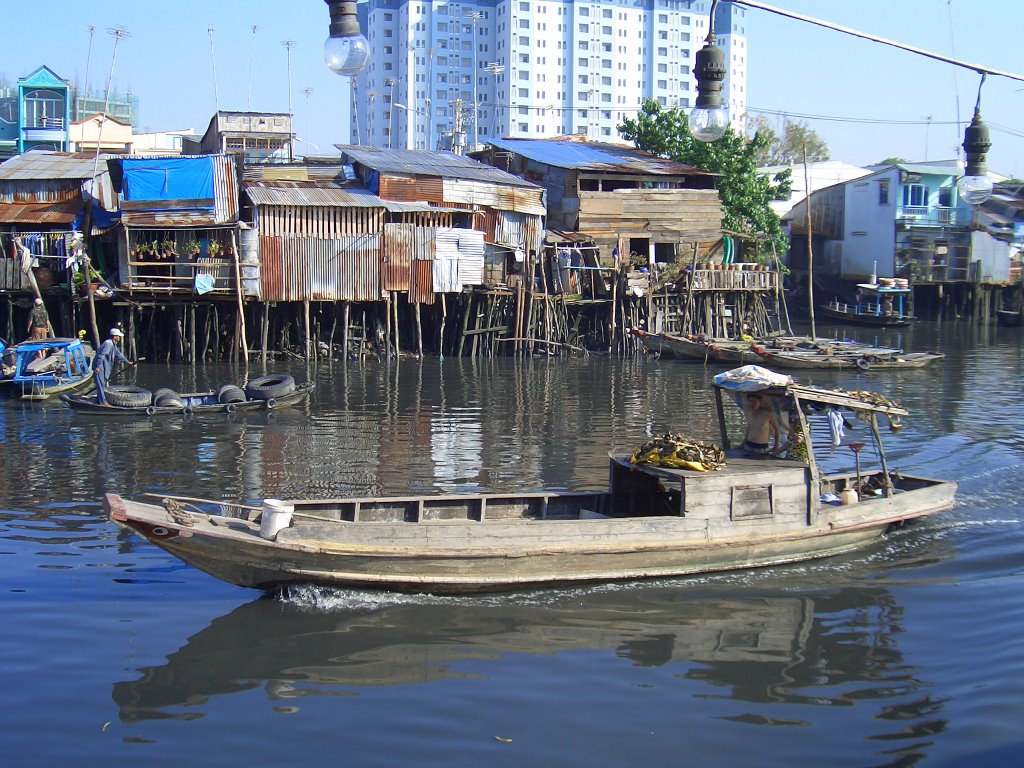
[[189, 403], [734, 353], [898, 361], [36, 370], [668, 345], [881, 304], [659, 517], [1008, 317]]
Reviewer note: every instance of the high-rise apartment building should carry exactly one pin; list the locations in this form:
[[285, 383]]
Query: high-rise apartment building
[[448, 74]]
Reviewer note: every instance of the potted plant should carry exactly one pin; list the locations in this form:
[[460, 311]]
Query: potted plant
[[213, 248], [78, 279], [191, 248]]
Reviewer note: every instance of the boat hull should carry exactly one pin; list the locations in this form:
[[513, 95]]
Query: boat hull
[[864, 318], [192, 403], [490, 543]]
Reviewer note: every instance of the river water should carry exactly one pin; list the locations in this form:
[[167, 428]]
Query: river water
[[113, 653]]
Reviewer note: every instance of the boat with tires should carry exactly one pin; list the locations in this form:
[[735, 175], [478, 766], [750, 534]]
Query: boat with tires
[[39, 369], [673, 507], [266, 393]]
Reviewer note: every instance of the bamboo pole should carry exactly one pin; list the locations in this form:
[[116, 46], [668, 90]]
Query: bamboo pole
[[810, 250], [266, 331], [241, 302]]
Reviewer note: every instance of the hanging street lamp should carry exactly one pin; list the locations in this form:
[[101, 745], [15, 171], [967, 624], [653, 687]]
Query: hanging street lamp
[[346, 51], [709, 118], [975, 187]]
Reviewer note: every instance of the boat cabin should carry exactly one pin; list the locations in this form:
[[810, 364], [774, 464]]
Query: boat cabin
[[36, 369]]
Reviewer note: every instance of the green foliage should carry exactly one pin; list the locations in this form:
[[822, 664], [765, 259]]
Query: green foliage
[[892, 161], [746, 195], [789, 148]]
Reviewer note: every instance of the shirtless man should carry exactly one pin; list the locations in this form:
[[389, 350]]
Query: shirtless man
[[762, 426]]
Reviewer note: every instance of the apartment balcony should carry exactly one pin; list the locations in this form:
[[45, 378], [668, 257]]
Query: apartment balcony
[[924, 216]]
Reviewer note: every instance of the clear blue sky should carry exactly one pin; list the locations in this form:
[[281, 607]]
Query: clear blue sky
[[794, 67]]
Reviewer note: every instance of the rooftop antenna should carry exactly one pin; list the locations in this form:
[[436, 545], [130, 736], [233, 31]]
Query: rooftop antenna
[[307, 92], [289, 44], [213, 62], [252, 56], [88, 55]]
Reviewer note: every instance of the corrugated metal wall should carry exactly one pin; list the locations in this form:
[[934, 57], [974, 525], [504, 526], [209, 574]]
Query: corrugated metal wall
[[410, 190], [396, 256], [318, 221], [294, 268]]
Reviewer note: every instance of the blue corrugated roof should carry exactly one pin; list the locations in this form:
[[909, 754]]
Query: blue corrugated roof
[[594, 156]]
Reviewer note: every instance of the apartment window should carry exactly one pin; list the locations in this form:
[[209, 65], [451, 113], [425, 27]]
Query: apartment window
[[524, 127], [524, 23], [585, 28], [915, 195], [584, 11], [663, 18], [606, 30], [524, 6], [945, 197], [524, 93], [883, 192]]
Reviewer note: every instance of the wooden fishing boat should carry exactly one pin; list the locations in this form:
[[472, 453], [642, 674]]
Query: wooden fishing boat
[[898, 361], [660, 516], [668, 345], [882, 305], [39, 369], [189, 403], [733, 353]]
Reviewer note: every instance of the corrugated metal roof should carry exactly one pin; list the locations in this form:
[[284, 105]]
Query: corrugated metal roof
[[933, 170], [40, 213], [294, 172], [413, 162], [594, 156], [38, 165], [327, 195]]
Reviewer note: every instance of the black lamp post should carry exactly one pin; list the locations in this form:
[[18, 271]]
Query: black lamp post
[[346, 51], [709, 118]]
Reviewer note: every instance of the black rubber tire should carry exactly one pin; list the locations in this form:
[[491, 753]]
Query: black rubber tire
[[863, 364], [229, 393], [167, 397], [127, 396], [266, 387]]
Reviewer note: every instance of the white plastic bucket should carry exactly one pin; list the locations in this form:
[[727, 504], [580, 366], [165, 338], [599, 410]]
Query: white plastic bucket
[[277, 515], [848, 496]]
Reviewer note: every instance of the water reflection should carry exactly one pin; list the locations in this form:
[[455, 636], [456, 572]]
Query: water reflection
[[785, 655]]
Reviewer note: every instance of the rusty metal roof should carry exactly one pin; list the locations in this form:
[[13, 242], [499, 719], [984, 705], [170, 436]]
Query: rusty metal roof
[[330, 195], [39, 165], [595, 156], [418, 162], [40, 213]]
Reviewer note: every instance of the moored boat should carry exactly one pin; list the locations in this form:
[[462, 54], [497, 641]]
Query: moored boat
[[38, 369], [881, 304], [665, 513], [669, 345]]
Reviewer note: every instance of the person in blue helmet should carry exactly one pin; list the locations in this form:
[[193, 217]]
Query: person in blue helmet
[[103, 363]]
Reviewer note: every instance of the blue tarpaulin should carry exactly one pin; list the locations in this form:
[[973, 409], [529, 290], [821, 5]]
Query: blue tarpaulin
[[159, 179]]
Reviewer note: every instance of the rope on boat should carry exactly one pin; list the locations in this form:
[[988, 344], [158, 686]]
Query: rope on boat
[[676, 452]]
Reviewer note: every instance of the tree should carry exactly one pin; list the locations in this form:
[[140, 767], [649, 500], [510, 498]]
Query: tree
[[788, 149], [746, 195], [892, 161]]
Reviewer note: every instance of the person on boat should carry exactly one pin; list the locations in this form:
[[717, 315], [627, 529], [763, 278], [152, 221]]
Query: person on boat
[[103, 363], [887, 306], [38, 321], [762, 437]]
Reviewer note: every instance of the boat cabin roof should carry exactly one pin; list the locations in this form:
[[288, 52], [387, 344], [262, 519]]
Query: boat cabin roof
[[882, 288], [45, 344], [839, 398]]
